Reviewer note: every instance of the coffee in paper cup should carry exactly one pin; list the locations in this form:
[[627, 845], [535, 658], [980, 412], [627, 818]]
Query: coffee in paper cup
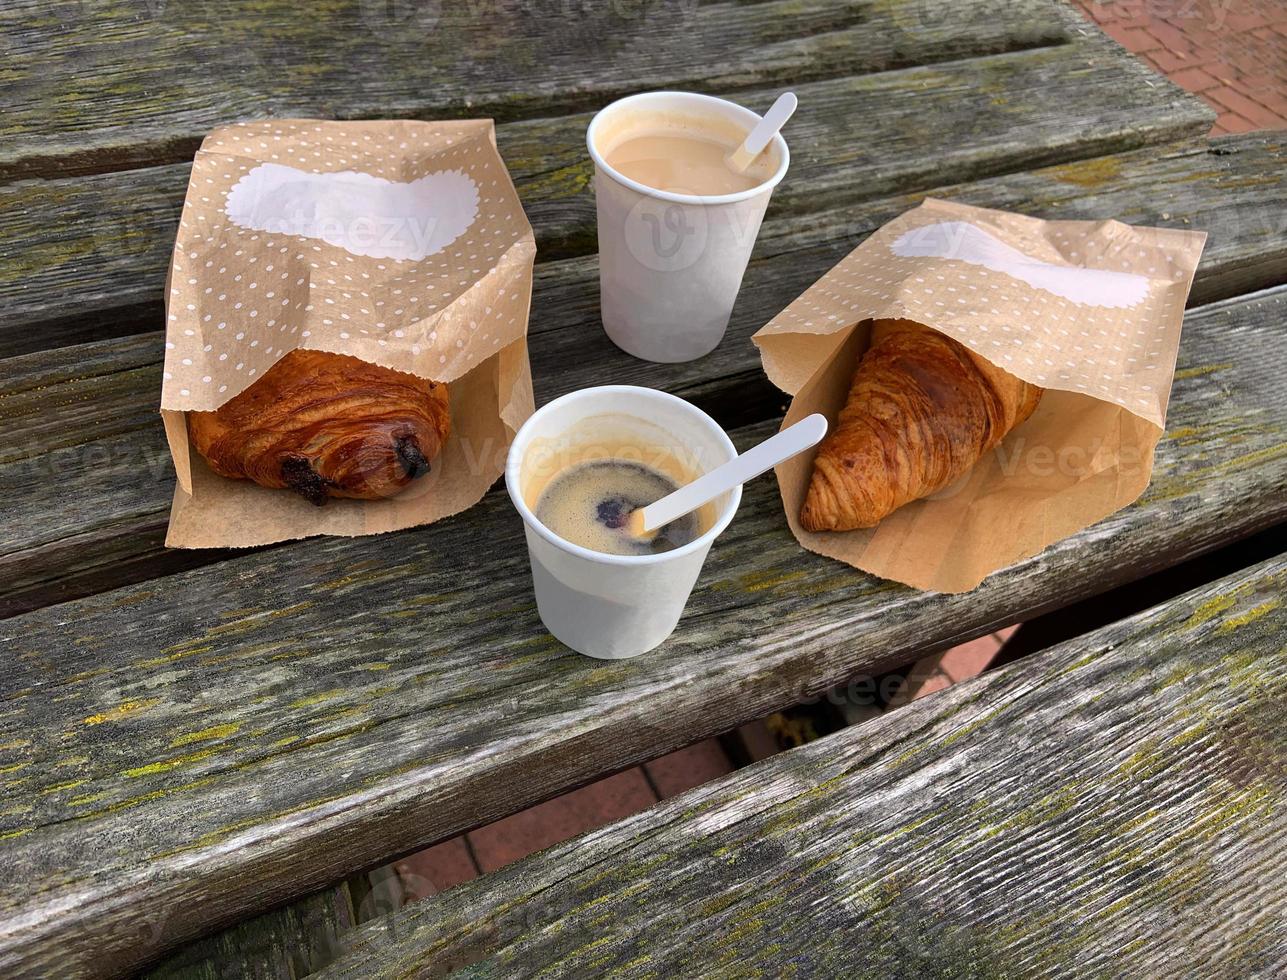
[[614, 606], [1089, 311], [671, 262], [401, 243]]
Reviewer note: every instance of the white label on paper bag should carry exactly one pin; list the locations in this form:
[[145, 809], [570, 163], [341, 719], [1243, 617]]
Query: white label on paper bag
[[357, 212], [968, 243]]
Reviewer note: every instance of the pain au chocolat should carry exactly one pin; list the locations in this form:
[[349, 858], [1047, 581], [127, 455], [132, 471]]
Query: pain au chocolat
[[327, 425]]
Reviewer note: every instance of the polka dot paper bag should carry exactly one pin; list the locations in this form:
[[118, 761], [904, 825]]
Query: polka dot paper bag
[[1088, 310], [401, 243]]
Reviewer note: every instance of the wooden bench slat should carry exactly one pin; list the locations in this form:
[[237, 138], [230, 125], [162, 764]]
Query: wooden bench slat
[[222, 740], [84, 463], [96, 85], [1109, 807], [86, 257], [864, 136]]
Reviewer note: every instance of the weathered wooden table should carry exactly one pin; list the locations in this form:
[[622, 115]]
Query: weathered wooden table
[[196, 742]]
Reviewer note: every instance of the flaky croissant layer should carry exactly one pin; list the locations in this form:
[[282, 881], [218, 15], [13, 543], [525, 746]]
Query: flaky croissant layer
[[327, 425], [921, 411]]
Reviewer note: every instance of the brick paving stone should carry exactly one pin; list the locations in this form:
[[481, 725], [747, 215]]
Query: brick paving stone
[[689, 767], [1194, 80], [1101, 12], [1233, 56], [944, 669], [1249, 21], [758, 740], [1135, 39], [1004, 634], [1170, 37], [1231, 122], [1167, 62], [436, 869], [1227, 97], [1141, 22], [1206, 56], [1256, 85], [555, 820]]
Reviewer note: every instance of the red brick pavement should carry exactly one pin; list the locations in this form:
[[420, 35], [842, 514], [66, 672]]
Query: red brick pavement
[[558, 819], [1232, 53], [495, 845]]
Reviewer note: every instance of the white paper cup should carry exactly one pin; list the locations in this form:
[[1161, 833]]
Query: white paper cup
[[601, 605], [670, 265]]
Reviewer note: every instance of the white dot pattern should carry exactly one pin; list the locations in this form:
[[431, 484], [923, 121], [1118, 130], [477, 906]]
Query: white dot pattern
[[240, 299], [1123, 356]]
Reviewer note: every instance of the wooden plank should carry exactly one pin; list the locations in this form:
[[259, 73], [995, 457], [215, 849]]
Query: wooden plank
[[222, 740], [1112, 807], [86, 257], [100, 85], [864, 136], [83, 419]]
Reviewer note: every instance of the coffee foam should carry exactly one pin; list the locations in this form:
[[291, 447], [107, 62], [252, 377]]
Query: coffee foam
[[628, 124], [623, 438], [589, 505]]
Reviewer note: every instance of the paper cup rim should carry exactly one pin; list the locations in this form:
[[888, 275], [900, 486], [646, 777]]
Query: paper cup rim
[[514, 462], [694, 199]]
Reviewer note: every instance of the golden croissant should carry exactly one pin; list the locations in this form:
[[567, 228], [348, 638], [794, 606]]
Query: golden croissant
[[922, 410], [327, 425]]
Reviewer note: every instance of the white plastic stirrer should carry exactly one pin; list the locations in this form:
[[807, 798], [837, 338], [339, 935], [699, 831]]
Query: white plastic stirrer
[[758, 138], [808, 432]]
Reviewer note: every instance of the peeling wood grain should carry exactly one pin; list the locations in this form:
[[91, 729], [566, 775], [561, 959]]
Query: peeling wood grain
[[1111, 807], [379, 705], [110, 84], [86, 257]]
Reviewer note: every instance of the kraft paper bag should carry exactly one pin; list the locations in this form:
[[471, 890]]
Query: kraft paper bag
[[1089, 310], [402, 243]]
